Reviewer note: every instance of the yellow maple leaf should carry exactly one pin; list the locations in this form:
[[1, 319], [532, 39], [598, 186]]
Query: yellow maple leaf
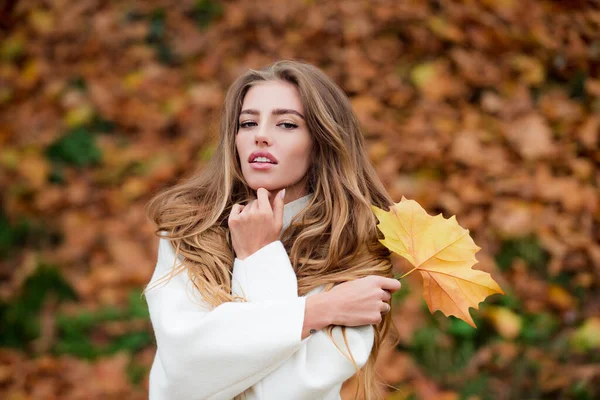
[[443, 252]]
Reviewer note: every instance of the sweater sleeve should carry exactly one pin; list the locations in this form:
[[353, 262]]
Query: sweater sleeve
[[217, 353], [318, 368]]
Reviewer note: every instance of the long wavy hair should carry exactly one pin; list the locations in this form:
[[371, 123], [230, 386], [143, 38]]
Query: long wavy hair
[[333, 240]]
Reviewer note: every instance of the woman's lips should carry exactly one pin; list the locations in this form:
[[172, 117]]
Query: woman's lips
[[264, 154], [264, 160], [261, 165]]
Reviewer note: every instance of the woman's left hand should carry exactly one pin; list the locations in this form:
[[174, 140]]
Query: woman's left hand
[[256, 224]]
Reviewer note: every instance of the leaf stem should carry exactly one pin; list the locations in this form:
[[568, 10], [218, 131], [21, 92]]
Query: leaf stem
[[408, 273]]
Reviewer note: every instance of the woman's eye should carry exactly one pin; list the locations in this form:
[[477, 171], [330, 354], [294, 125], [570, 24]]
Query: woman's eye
[[288, 125], [285, 125], [247, 124]]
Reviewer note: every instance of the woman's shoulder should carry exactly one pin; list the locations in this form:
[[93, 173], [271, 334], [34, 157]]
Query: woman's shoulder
[[165, 247]]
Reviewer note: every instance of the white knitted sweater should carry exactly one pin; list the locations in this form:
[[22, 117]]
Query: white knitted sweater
[[254, 348]]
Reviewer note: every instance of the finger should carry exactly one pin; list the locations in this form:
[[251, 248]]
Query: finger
[[385, 308], [278, 207], [390, 284], [263, 199], [235, 210], [386, 296], [246, 208]]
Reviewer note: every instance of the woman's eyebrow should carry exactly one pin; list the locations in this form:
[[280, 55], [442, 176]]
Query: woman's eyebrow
[[277, 111]]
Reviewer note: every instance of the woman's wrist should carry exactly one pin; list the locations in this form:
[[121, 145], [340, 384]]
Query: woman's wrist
[[243, 255], [318, 314]]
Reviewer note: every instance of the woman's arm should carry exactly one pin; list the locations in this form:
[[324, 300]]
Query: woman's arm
[[216, 353], [318, 368]]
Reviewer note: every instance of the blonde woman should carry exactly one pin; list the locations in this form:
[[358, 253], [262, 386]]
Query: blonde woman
[[270, 282]]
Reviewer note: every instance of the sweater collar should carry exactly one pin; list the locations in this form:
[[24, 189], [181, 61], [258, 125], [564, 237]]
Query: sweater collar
[[294, 207]]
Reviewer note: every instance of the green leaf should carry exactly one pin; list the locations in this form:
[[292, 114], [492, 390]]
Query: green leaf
[[478, 388], [78, 82], [461, 329], [12, 236], [101, 125], [205, 11], [577, 86], [157, 26], [76, 332], [131, 341], [136, 372], [527, 248], [138, 308], [77, 148], [19, 323], [539, 328]]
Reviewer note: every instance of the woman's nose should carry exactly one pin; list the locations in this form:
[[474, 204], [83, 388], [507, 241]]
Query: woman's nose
[[262, 135]]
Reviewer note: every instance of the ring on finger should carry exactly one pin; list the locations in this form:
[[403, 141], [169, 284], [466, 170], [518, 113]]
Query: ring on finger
[[388, 308]]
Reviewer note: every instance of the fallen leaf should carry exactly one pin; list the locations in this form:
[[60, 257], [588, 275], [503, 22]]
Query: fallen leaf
[[560, 298], [435, 81], [35, 169], [467, 148], [512, 218], [531, 136], [42, 21], [506, 322], [589, 132], [445, 30], [443, 252], [587, 336], [79, 115], [531, 69]]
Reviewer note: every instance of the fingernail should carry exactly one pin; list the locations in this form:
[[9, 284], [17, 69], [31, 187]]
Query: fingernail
[[283, 194]]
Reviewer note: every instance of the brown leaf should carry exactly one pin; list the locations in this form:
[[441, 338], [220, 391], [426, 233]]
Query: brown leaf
[[589, 132], [531, 136], [513, 218], [130, 257]]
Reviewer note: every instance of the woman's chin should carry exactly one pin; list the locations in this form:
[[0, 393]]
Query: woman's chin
[[266, 185]]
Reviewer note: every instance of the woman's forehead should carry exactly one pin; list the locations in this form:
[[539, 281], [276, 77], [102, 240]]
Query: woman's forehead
[[264, 97]]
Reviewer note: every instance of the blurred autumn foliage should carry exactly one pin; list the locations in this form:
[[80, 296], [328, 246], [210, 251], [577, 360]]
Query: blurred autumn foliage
[[487, 110]]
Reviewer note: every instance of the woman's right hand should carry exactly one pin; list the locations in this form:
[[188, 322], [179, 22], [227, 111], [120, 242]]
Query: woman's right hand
[[257, 224], [353, 303]]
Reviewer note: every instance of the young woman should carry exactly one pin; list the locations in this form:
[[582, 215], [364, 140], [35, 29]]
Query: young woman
[[270, 282]]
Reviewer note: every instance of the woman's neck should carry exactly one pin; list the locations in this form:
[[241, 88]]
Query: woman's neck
[[294, 207], [296, 191]]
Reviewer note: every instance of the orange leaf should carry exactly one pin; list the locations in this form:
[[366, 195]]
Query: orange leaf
[[443, 252]]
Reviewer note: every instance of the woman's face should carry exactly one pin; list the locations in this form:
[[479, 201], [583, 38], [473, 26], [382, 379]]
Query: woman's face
[[273, 141]]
